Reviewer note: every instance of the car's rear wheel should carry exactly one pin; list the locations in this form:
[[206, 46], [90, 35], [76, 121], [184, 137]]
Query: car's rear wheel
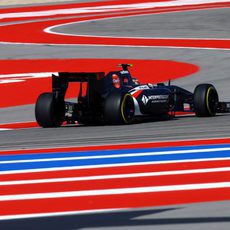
[[119, 108], [205, 100], [49, 113]]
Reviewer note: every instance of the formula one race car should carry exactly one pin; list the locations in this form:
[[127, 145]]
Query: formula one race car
[[118, 98]]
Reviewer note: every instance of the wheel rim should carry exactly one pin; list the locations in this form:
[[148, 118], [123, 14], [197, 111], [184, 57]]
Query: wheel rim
[[127, 108]]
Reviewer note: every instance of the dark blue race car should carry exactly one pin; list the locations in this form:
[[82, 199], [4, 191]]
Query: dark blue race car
[[118, 98]]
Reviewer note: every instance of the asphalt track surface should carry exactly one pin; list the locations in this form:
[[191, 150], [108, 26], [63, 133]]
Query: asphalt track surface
[[214, 68], [194, 216], [217, 73], [188, 127]]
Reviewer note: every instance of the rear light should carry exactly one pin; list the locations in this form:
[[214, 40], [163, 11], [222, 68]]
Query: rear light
[[116, 81]]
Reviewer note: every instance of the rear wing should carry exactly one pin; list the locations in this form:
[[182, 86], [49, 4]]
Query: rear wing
[[79, 76], [61, 82]]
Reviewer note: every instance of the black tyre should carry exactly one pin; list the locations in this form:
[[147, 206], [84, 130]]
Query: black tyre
[[47, 112], [119, 108], [205, 100]]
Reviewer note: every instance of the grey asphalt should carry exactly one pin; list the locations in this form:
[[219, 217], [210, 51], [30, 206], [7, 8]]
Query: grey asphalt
[[212, 216], [214, 68], [195, 24], [177, 129]]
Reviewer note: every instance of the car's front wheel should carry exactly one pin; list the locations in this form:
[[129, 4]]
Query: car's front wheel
[[49, 113], [205, 100], [119, 108]]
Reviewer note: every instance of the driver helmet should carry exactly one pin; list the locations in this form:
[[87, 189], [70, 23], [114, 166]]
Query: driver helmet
[[136, 81]]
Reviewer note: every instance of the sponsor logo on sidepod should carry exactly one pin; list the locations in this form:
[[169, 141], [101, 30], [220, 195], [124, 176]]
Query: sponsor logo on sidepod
[[157, 98], [145, 99]]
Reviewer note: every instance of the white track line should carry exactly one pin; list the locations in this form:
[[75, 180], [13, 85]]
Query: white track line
[[115, 176], [110, 165], [119, 191], [112, 17], [12, 78], [208, 150], [53, 214], [48, 30], [110, 8], [29, 75], [121, 46]]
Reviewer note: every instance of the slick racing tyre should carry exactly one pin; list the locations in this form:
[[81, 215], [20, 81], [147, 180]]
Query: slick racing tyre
[[47, 112], [119, 108], [205, 100]]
